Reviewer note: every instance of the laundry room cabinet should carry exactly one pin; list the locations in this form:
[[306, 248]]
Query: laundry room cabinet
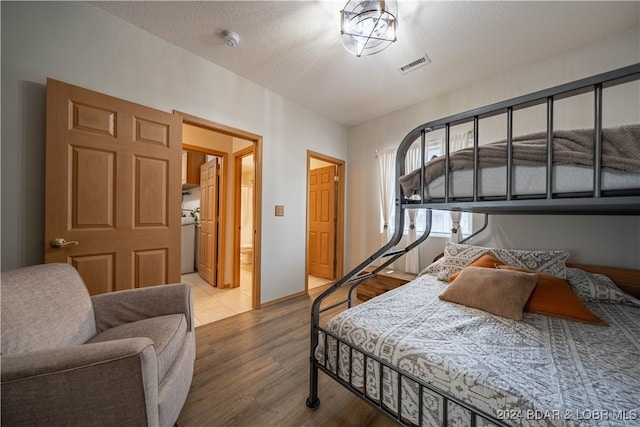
[[191, 162]]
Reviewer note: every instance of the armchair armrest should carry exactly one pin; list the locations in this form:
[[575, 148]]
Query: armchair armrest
[[110, 383], [117, 308]]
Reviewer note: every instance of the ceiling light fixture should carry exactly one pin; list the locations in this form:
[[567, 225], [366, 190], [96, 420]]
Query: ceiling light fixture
[[368, 26]]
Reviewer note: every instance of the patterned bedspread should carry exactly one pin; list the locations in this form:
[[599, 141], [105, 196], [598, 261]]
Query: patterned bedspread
[[536, 372]]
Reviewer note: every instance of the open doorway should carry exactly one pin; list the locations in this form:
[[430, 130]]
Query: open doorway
[[204, 202], [203, 183], [221, 297], [325, 219], [244, 218]]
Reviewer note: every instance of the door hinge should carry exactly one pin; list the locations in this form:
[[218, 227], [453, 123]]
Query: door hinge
[[336, 178]]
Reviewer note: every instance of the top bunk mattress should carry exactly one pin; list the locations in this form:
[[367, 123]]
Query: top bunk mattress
[[541, 371], [572, 169]]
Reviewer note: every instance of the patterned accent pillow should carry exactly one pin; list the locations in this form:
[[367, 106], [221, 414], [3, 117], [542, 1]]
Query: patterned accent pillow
[[433, 269], [458, 256], [486, 260], [597, 287], [548, 262]]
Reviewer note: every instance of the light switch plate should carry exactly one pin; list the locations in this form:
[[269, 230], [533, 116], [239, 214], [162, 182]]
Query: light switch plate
[[279, 210]]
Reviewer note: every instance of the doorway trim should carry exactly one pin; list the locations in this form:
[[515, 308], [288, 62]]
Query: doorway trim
[[257, 214], [237, 157], [339, 202]]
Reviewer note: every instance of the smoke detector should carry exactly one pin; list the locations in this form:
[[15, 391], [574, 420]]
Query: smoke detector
[[231, 38]]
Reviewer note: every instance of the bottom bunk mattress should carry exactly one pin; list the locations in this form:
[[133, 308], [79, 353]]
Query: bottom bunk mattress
[[539, 371]]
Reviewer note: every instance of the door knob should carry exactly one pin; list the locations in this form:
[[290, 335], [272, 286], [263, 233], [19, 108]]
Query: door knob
[[59, 242]]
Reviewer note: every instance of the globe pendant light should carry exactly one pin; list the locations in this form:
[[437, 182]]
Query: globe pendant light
[[368, 27]]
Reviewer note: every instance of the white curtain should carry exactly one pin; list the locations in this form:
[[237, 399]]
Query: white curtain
[[386, 168], [412, 259], [246, 215], [456, 231], [460, 141]]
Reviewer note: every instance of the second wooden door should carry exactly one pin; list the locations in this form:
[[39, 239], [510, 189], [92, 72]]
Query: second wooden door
[[322, 224], [208, 229]]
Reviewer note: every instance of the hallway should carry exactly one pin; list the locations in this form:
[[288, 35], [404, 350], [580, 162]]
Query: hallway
[[211, 304]]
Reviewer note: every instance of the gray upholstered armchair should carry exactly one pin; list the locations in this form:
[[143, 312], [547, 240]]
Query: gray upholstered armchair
[[124, 358]]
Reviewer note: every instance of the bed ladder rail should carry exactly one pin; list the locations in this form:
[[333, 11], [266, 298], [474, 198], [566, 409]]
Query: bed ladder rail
[[393, 256], [354, 278], [387, 254]]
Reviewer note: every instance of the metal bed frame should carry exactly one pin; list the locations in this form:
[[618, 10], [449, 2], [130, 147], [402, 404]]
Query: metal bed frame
[[595, 202]]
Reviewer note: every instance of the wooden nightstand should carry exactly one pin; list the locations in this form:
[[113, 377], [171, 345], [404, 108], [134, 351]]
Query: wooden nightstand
[[382, 282]]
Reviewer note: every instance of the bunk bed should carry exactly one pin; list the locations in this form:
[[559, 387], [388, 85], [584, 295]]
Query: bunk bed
[[423, 360]]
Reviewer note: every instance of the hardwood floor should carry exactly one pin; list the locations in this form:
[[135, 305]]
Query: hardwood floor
[[252, 369]]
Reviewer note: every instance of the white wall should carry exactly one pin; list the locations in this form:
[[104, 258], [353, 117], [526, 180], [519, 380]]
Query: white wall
[[84, 46], [590, 239]]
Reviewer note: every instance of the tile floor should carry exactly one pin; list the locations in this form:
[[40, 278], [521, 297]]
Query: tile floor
[[314, 282], [211, 304]]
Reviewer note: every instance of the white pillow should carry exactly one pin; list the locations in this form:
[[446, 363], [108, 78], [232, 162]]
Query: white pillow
[[548, 262], [597, 287], [457, 256], [433, 269]]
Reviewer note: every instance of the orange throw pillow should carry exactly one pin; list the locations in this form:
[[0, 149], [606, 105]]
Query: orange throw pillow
[[554, 296], [485, 260]]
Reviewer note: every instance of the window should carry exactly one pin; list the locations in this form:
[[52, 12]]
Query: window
[[440, 220], [440, 223]]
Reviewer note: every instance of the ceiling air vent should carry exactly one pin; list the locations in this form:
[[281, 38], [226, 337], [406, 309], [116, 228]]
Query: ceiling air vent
[[413, 65]]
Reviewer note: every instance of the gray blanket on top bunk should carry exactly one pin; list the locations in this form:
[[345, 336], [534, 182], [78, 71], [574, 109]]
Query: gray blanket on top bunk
[[620, 151]]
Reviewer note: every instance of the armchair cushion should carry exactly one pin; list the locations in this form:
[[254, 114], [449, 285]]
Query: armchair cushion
[[166, 332], [44, 307], [118, 308]]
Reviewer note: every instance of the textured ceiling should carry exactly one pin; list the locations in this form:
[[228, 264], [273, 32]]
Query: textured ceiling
[[294, 48]]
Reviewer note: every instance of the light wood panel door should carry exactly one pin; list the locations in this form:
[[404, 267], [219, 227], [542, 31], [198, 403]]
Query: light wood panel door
[[208, 229], [113, 172], [322, 225]]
